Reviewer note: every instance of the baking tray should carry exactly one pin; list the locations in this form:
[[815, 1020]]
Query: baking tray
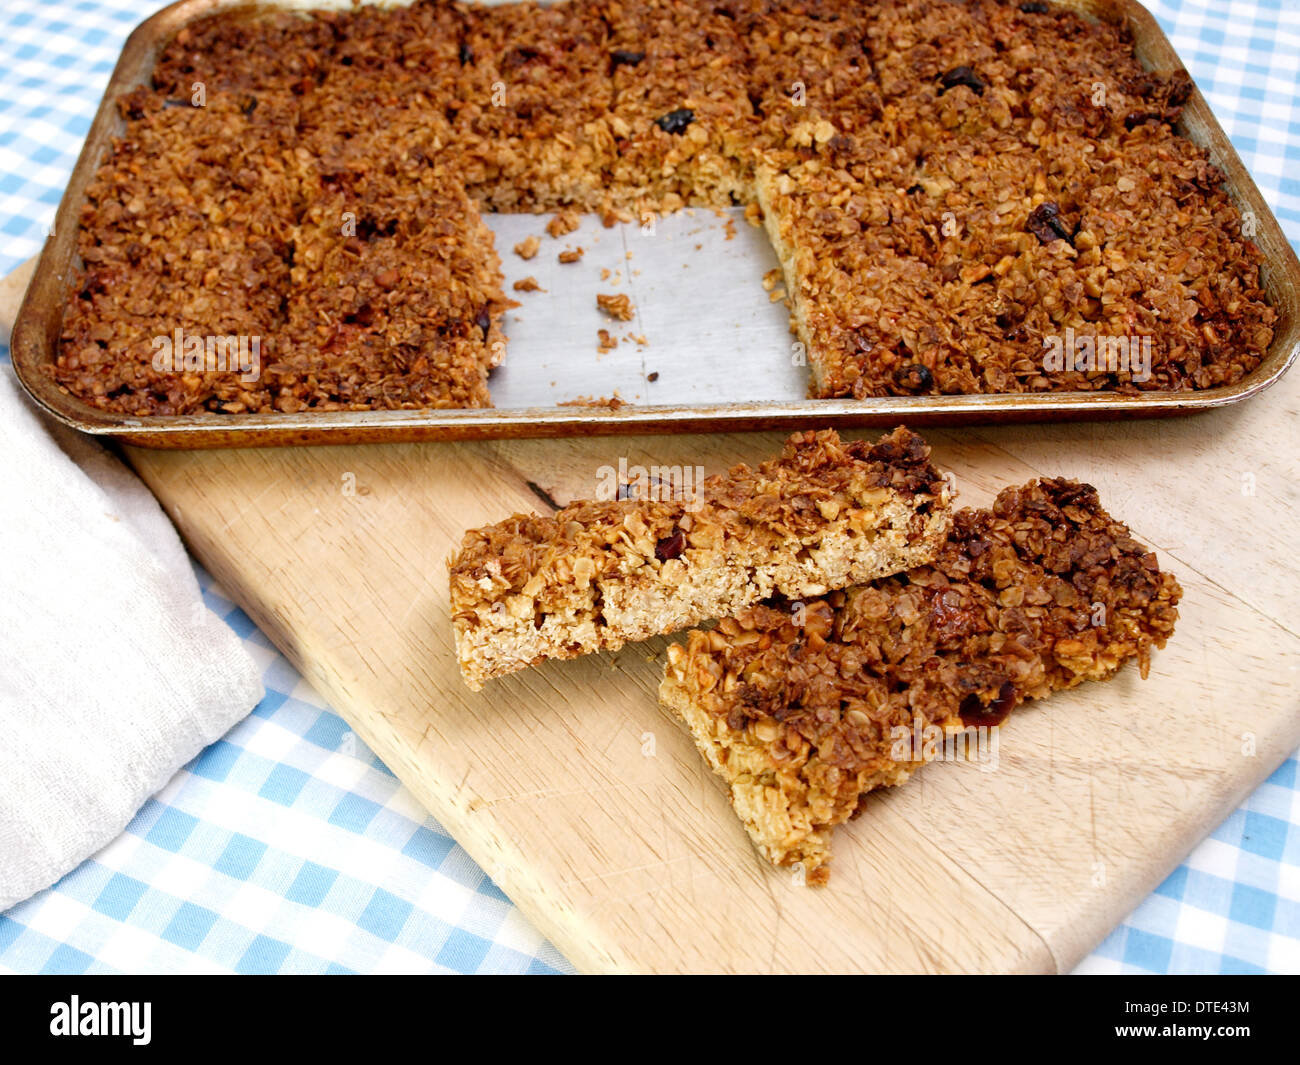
[[676, 406]]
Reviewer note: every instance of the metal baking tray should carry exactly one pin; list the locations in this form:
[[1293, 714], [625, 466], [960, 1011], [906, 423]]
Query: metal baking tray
[[708, 340]]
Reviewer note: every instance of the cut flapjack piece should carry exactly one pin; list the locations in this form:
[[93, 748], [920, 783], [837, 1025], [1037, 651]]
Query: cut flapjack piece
[[803, 708], [823, 515], [154, 263], [532, 105], [681, 116], [396, 299]]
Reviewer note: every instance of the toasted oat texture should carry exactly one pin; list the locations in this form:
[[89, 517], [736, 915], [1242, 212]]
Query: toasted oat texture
[[154, 262], [805, 708], [564, 222], [614, 402], [951, 188], [616, 305], [396, 293], [598, 574]]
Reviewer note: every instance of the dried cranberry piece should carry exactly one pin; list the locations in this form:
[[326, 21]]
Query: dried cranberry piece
[[362, 316], [1180, 90], [368, 229], [1045, 222], [520, 57], [622, 57], [671, 546], [962, 75], [676, 121], [974, 713], [915, 377], [1137, 118]]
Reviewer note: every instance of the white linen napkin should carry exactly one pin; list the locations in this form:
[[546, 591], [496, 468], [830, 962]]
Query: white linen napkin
[[113, 673]]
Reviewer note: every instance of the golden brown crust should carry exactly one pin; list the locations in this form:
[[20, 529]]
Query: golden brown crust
[[162, 250], [906, 206], [951, 189], [796, 705], [599, 573]]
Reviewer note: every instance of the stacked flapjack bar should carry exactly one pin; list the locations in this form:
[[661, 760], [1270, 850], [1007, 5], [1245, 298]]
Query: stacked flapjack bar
[[797, 706], [823, 515]]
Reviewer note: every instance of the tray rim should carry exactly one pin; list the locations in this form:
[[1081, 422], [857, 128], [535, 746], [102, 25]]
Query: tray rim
[[42, 307]]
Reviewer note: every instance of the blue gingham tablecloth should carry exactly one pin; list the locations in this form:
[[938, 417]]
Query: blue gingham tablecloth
[[288, 847]]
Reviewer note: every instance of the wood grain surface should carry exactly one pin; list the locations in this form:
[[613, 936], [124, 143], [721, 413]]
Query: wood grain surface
[[587, 802]]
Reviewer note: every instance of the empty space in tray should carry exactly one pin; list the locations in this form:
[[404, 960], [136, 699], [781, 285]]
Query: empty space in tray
[[711, 331]]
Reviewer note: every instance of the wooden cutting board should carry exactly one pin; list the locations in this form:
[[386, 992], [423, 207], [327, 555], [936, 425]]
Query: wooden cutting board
[[588, 804]]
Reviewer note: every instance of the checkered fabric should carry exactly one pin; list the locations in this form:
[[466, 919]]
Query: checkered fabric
[[288, 847]]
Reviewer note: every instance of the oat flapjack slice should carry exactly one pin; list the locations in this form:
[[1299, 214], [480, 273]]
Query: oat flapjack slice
[[154, 266], [803, 708], [396, 299], [824, 514], [532, 104], [681, 116]]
